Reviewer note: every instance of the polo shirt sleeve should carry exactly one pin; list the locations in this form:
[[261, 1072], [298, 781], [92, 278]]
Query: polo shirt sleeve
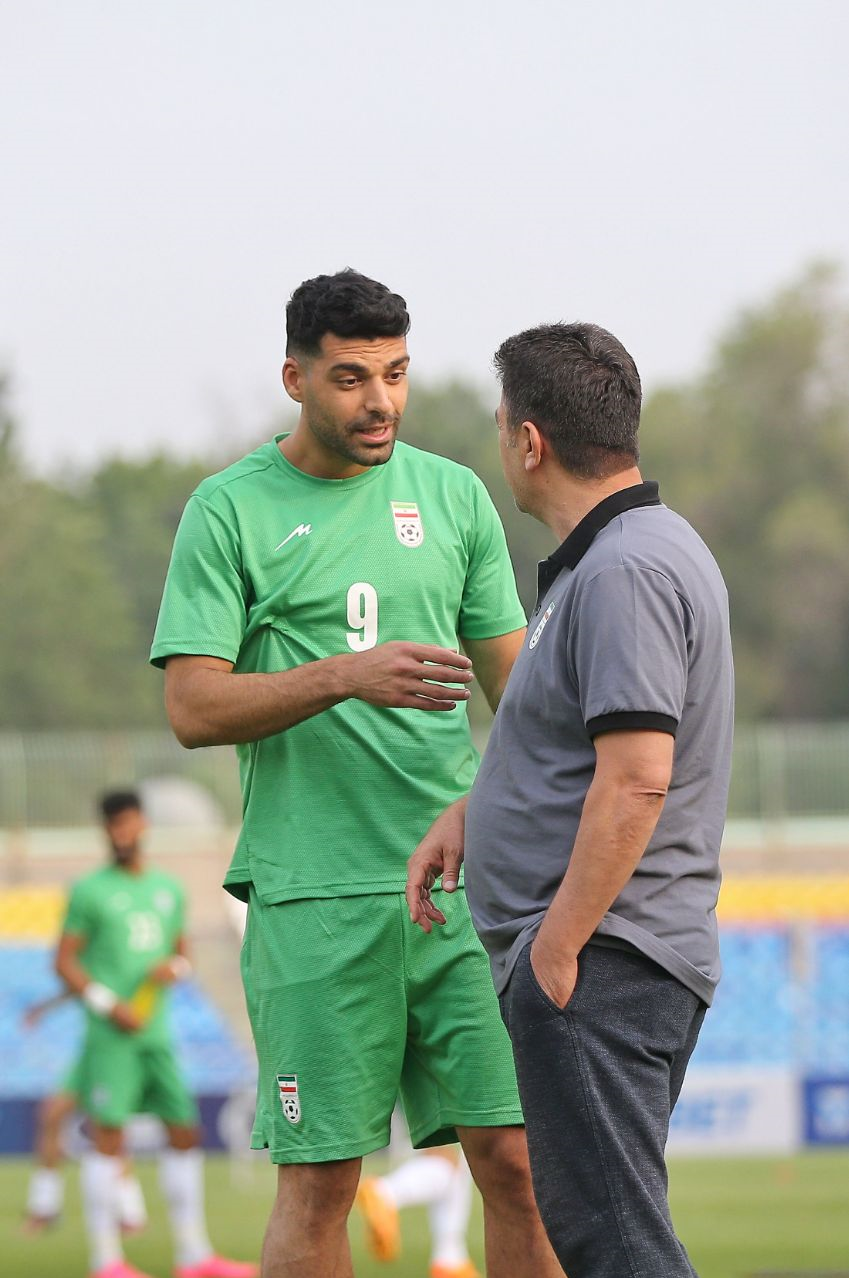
[[203, 610], [490, 605], [628, 651]]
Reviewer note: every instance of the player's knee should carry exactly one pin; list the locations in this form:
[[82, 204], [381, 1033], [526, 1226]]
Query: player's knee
[[108, 1140], [498, 1157], [53, 1110], [183, 1137], [320, 1194]]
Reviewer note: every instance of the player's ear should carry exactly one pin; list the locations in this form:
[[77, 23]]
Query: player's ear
[[293, 378]]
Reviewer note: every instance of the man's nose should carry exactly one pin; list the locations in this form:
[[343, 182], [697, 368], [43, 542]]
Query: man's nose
[[378, 400]]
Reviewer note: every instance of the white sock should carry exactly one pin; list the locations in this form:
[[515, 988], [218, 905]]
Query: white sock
[[99, 1174], [449, 1219], [422, 1179], [181, 1177], [132, 1212], [46, 1193]]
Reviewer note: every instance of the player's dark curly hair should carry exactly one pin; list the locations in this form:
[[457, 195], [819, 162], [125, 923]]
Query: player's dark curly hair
[[580, 388], [346, 304], [117, 801]]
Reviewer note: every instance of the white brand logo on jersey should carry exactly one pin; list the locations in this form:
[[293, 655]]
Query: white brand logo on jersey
[[288, 1087], [302, 530], [535, 637], [408, 523]]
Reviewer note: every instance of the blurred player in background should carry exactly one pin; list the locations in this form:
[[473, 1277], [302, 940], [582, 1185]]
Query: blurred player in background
[[121, 947], [438, 1179], [46, 1193], [317, 597]]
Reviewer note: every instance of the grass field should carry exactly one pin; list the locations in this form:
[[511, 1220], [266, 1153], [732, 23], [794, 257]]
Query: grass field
[[740, 1217]]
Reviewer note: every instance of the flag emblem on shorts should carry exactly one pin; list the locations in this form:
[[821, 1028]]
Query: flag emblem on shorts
[[288, 1087], [408, 523]]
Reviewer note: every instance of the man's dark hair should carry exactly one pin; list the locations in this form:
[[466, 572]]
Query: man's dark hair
[[117, 801], [580, 388], [346, 304]]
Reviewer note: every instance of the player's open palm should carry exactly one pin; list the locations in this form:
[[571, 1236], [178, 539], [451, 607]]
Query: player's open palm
[[410, 676]]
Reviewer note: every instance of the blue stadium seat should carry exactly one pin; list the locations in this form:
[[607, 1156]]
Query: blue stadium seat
[[34, 1062]]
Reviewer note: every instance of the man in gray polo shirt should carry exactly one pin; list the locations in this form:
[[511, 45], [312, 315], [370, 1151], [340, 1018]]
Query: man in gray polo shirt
[[593, 828]]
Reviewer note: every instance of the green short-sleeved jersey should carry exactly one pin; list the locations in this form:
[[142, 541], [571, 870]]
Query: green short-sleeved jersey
[[129, 923], [273, 568]]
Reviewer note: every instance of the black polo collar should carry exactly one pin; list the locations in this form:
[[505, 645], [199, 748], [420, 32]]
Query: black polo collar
[[570, 553]]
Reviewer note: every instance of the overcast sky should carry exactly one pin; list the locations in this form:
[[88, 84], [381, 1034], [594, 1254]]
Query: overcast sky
[[173, 169]]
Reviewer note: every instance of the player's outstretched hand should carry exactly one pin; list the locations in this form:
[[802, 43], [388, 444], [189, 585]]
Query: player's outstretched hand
[[440, 854], [409, 675]]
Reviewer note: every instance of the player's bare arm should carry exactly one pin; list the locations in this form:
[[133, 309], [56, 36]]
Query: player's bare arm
[[440, 853], [208, 704], [103, 1001], [493, 660], [35, 1013], [620, 812]]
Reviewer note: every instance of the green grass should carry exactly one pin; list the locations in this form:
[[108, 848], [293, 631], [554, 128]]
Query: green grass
[[737, 1217]]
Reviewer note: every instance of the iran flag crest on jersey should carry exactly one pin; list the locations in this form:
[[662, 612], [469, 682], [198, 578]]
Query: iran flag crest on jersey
[[408, 523], [289, 1099]]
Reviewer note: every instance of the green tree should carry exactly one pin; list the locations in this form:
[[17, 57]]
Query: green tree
[[756, 454], [65, 627], [138, 505]]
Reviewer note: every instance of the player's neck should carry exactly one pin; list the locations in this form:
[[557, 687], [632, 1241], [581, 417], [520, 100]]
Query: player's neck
[[132, 865], [302, 450]]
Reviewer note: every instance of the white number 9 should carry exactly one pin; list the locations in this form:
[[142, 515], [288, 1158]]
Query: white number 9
[[362, 616]]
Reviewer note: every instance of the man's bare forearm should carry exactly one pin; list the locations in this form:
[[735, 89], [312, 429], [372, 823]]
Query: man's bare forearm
[[208, 704], [216, 707], [614, 832]]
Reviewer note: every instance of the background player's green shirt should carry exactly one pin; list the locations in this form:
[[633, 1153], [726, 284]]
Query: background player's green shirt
[[273, 568], [128, 923]]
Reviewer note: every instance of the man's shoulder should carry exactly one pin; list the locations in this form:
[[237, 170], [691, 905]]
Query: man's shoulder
[[92, 880], [652, 537], [654, 540], [244, 472], [91, 888]]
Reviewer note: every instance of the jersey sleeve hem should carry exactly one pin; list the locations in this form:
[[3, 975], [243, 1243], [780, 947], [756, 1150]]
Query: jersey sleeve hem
[[630, 720], [494, 629], [165, 648]]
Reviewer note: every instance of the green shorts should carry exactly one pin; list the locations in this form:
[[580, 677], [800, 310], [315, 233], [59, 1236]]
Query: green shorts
[[352, 1005], [119, 1075]]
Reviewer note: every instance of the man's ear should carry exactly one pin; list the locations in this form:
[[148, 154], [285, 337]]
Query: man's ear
[[533, 445], [293, 378]]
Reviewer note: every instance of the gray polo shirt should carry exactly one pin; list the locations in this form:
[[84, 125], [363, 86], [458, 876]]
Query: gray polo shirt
[[630, 631]]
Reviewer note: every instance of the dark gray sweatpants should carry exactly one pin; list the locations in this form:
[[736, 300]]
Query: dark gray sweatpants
[[598, 1082]]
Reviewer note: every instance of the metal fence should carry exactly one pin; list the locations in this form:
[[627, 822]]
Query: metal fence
[[52, 779], [781, 771]]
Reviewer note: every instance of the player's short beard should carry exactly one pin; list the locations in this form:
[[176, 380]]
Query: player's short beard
[[343, 440], [124, 853]]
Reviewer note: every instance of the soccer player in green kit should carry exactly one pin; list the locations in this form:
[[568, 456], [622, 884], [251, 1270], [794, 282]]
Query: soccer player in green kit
[[318, 595], [121, 947]]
